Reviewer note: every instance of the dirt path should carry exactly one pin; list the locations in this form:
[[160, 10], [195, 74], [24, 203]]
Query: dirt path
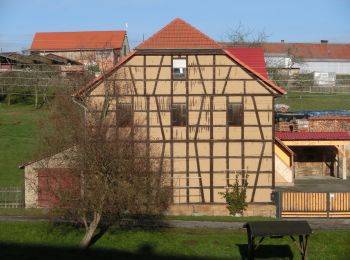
[[326, 224]]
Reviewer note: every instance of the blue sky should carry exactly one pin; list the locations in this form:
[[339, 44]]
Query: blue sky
[[293, 21]]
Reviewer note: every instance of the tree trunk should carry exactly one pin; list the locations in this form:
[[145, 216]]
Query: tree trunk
[[90, 231], [36, 97]]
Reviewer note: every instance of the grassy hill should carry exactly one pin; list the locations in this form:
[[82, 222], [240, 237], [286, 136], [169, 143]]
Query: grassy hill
[[18, 138]]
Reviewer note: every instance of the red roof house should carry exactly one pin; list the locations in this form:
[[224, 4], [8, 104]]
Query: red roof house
[[104, 48]]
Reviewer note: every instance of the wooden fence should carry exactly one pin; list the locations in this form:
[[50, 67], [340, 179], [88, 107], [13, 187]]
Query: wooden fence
[[313, 204], [11, 197]]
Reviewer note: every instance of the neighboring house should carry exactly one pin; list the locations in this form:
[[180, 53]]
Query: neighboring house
[[103, 48], [307, 57], [210, 114], [6, 62]]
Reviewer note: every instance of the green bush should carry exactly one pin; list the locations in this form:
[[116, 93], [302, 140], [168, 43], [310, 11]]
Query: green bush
[[236, 194]]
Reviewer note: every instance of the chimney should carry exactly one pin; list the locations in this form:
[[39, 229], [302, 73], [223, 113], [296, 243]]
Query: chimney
[[324, 41], [282, 41]]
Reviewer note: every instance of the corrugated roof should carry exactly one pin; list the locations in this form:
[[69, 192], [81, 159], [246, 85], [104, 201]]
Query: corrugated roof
[[338, 51], [310, 50], [253, 57], [179, 35], [78, 40], [313, 135]]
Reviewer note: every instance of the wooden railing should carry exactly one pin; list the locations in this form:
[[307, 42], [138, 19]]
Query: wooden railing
[[313, 204]]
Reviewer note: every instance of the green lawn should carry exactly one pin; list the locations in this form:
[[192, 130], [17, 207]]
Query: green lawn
[[18, 135], [44, 241], [314, 101]]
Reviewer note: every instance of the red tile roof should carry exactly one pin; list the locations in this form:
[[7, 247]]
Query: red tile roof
[[313, 135], [310, 50], [179, 35], [253, 57], [78, 40], [159, 41], [265, 79]]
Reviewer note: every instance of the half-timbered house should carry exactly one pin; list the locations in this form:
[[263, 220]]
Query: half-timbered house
[[209, 114]]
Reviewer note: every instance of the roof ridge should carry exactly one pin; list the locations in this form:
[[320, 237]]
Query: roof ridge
[[163, 33]]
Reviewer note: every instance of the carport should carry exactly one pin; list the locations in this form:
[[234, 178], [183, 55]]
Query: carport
[[318, 153]]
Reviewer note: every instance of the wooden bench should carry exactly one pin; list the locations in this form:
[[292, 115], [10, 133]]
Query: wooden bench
[[278, 229]]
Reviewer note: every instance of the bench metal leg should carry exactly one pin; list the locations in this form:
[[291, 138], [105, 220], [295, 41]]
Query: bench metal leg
[[251, 246]]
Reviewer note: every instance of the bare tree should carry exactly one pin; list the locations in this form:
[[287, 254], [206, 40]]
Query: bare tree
[[284, 71], [110, 171], [241, 36]]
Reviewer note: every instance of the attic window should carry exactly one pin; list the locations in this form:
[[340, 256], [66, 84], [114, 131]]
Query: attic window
[[179, 68]]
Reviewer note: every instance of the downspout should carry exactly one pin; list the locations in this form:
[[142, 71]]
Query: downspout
[[84, 107]]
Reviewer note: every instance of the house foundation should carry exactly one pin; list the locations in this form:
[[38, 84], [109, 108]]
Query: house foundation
[[253, 209]]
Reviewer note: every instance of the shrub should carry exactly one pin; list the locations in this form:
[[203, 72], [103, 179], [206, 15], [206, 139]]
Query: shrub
[[236, 194]]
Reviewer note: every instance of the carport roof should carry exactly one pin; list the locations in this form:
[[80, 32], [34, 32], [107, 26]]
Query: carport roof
[[313, 135]]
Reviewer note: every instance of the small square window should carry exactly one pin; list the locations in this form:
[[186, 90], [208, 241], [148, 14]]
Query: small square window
[[179, 68], [234, 114], [179, 115], [124, 115]]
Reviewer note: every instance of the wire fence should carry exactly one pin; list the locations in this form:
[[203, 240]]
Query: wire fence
[[11, 197]]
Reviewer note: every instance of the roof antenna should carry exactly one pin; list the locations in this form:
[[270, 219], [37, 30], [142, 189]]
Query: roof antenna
[[143, 37], [126, 26]]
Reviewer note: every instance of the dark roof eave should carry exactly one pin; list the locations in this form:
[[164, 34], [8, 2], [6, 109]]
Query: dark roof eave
[[178, 50]]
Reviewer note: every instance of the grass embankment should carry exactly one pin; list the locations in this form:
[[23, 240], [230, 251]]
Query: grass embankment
[[18, 139], [44, 241], [313, 101]]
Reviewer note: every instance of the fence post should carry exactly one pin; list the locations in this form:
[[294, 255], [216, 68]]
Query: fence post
[[23, 195], [278, 195], [328, 203]]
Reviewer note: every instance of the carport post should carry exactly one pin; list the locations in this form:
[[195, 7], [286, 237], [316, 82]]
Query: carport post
[[342, 151], [344, 163]]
